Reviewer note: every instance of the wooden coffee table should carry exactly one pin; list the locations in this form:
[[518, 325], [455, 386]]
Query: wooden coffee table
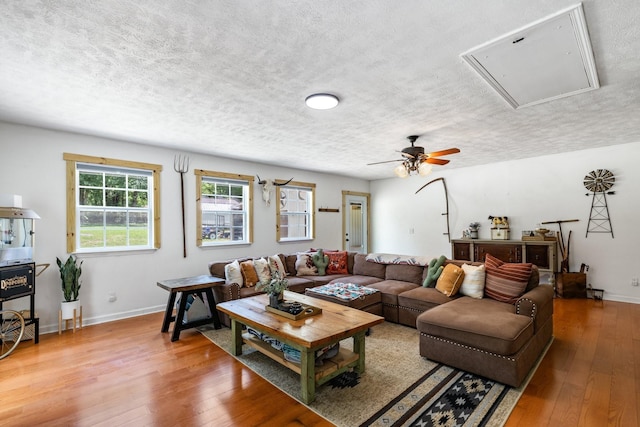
[[335, 323]]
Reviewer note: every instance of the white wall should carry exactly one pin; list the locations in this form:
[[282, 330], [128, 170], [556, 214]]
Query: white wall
[[529, 191], [33, 167]]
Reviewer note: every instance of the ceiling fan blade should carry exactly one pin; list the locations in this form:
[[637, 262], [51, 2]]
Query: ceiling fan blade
[[444, 152], [435, 161], [386, 161]]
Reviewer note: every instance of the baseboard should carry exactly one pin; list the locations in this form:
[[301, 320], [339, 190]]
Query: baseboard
[[621, 298], [86, 321]]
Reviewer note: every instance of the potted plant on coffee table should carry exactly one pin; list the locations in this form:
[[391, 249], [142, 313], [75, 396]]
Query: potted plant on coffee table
[[70, 272], [275, 288]]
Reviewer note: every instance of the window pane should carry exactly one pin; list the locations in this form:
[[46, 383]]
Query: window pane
[[115, 198], [116, 230], [115, 181], [222, 189], [138, 229], [138, 199], [90, 197], [89, 179], [91, 229], [138, 182]]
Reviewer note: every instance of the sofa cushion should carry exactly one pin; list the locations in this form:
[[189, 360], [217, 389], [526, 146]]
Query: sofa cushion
[[289, 262], [484, 324], [362, 267], [391, 289], [358, 280], [262, 269], [473, 282], [232, 273], [298, 284], [404, 273], [505, 282], [249, 275], [305, 265], [450, 280], [416, 301], [276, 265], [337, 262]]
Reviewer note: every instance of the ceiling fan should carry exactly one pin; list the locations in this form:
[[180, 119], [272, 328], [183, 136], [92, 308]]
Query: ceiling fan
[[416, 160]]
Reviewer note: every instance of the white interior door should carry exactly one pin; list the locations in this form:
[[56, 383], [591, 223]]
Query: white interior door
[[356, 223]]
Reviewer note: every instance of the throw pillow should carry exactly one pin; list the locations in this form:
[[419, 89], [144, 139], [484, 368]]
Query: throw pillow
[[232, 273], [450, 280], [262, 270], [473, 282], [249, 274], [505, 282], [337, 262], [305, 265], [276, 265]]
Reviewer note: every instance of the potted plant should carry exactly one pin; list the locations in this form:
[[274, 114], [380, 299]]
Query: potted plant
[[70, 272], [473, 230], [275, 288]]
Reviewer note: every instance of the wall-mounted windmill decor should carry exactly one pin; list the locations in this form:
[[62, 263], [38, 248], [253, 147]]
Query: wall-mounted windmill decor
[[599, 182]]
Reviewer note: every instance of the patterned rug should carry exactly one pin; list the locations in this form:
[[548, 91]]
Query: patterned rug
[[400, 387]]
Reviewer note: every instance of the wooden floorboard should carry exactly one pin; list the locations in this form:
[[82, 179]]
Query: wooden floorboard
[[128, 373]]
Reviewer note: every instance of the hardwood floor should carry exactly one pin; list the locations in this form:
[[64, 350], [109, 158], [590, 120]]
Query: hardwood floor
[[128, 373], [591, 374]]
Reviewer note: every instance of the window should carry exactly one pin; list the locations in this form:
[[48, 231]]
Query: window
[[224, 211], [295, 219], [112, 205]]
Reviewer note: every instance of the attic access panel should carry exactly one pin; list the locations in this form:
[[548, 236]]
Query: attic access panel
[[546, 60]]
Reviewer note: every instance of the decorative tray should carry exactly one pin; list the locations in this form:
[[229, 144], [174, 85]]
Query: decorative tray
[[294, 310]]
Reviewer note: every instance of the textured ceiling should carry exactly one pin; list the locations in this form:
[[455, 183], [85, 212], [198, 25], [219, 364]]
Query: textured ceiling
[[229, 78]]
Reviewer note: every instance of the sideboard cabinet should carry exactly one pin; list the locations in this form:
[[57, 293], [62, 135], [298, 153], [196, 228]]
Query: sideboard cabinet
[[541, 253]]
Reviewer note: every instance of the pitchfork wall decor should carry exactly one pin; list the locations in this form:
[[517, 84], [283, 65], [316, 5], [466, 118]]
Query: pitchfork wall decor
[[181, 165]]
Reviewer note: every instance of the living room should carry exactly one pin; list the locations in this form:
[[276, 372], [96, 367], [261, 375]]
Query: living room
[[531, 185]]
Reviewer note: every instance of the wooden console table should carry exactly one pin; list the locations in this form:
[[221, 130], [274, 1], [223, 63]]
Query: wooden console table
[[539, 252], [196, 285]]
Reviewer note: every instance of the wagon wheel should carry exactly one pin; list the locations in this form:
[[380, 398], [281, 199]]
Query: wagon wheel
[[11, 331]]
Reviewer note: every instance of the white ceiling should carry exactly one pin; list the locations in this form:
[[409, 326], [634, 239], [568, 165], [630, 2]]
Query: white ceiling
[[229, 78]]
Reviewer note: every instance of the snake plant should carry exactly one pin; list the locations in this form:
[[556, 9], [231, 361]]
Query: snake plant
[[70, 273]]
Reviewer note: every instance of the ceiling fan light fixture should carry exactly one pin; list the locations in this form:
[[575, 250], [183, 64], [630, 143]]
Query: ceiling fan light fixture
[[322, 101], [424, 169], [401, 171]]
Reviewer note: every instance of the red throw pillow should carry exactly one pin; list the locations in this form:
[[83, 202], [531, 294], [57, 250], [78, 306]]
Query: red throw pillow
[[337, 262], [505, 282]]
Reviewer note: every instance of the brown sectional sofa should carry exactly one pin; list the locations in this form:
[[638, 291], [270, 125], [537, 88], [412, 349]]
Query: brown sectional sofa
[[498, 340]]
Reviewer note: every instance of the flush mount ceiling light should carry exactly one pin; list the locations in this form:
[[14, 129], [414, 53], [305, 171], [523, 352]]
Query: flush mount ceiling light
[[322, 101]]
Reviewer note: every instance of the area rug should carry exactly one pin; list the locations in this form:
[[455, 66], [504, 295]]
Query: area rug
[[399, 387]]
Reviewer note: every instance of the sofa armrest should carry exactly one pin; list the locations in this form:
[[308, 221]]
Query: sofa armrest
[[226, 292], [537, 304]]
